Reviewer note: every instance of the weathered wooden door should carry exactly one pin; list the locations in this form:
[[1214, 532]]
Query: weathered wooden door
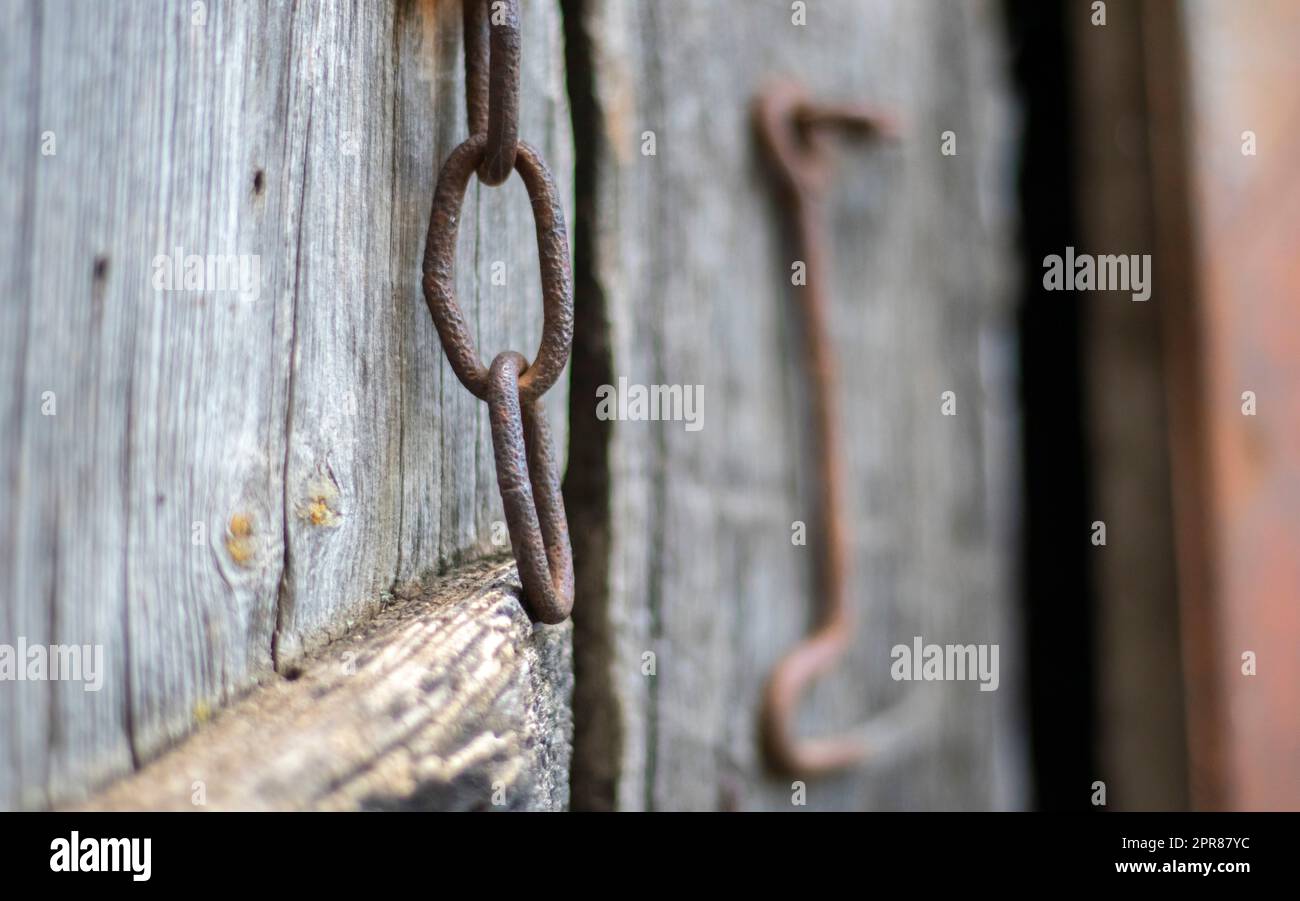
[[237, 463], [209, 482], [693, 565]]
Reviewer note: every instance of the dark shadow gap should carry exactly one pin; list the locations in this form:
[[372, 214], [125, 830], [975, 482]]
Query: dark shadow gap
[[1058, 601], [597, 738]]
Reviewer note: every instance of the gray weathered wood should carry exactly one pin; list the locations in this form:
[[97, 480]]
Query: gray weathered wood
[[227, 483], [694, 284], [449, 701]]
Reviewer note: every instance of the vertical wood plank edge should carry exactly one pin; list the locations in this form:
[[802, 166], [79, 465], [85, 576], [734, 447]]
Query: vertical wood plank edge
[[452, 700], [597, 735]]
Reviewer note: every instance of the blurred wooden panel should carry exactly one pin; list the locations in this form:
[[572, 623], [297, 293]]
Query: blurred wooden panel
[[1168, 92], [1141, 733], [1242, 75], [689, 283]]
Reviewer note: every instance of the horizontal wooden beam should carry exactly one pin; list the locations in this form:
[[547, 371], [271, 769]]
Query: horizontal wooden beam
[[452, 700]]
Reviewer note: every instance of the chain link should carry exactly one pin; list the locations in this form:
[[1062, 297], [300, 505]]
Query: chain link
[[492, 82]]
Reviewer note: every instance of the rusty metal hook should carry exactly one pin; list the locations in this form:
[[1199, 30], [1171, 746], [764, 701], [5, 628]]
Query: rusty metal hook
[[792, 131]]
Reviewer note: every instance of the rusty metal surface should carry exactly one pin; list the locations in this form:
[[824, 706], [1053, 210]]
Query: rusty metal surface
[[553, 253], [528, 476], [794, 134], [492, 82], [528, 473]]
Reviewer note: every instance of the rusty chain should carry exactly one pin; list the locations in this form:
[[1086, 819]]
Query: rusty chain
[[528, 475], [492, 82], [793, 132]]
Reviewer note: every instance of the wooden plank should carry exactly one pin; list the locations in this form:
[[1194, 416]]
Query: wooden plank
[[449, 701], [692, 289], [230, 480], [1142, 741], [1229, 210]]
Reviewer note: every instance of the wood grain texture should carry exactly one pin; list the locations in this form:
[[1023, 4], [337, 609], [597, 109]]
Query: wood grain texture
[[228, 480], [693, 285], [449, 701]]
